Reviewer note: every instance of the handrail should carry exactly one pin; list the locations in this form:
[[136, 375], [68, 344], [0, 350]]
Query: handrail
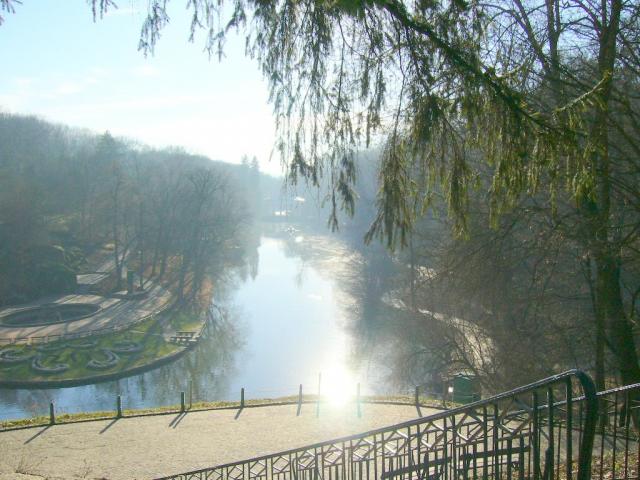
[[624, 388], [417, 458]]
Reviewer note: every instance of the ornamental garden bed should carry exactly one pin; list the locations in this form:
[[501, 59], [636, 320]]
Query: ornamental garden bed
[[92, 359]]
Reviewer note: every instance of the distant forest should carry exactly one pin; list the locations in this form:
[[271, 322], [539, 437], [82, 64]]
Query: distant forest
[[66, 192], [510, 302]]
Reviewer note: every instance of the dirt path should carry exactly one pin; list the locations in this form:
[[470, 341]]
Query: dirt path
[[148, 447]]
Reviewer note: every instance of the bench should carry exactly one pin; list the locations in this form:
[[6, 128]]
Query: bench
[[185, 334], [183, 337]]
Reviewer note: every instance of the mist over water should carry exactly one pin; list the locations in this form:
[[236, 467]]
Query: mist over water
[[286, 319]]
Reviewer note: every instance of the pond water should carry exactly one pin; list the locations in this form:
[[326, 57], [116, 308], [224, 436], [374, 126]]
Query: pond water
[[283, 321]]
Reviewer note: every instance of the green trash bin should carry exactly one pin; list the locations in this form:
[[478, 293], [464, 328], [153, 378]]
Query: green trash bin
[[466, 388]]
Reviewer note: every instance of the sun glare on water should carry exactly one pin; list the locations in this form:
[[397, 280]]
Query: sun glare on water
[[338, 387]]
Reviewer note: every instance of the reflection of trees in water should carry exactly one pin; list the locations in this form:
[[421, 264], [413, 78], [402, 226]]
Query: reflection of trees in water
[[253, 263], [244, 267], [373, 325], [248, 269], [363, 275], [207, 369], [32, 402], [213, 364], [395, 346], [381, 334], [210, 366]]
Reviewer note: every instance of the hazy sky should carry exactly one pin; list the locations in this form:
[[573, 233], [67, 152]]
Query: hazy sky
[[58, 64]]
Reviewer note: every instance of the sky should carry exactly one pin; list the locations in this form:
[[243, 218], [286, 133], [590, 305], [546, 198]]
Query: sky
[[60, 65]]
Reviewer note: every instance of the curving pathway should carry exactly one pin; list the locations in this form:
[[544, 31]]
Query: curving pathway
[[114, 313], [149, 447]]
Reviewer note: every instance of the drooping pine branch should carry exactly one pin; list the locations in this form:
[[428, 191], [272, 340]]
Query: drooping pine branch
[[9, 7]]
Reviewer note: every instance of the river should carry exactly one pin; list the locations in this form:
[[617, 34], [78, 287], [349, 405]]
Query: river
[[283, 321]]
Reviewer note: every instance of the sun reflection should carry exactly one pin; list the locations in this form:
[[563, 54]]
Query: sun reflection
[[338, 386]]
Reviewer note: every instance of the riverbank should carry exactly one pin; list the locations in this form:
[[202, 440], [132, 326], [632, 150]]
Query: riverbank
[[39, 421], [157, 445], [270, 340], [138, 349]]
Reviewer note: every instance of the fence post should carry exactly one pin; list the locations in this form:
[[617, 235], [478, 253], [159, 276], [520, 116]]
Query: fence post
[[444, 395], [182, 405], [119, 406], [190, 394], [52, 414], [358, 400], [242, 397], [299, 400], [417, 395]]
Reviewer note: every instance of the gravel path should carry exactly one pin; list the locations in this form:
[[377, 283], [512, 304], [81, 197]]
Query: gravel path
[[148, 447]]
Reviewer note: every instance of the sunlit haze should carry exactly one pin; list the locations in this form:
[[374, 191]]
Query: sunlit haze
[[445, 286], [60, 65]]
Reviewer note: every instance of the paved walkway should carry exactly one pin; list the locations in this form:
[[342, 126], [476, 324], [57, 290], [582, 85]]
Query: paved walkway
[[114, 313], [149, 447]]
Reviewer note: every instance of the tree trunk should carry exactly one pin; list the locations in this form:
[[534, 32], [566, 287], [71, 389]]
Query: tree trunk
[[599, 325], [412, 260], [163, 263], [116, 245], [154, 262], [186, 261], [618, 328], [618, 332]]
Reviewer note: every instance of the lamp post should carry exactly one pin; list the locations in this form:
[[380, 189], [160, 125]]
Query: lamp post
[[450, 392]]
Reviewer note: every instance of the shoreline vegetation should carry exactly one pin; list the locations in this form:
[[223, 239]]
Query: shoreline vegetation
[[108, 217], [146, 347], [150, 339], [155, 350], [69, 418]]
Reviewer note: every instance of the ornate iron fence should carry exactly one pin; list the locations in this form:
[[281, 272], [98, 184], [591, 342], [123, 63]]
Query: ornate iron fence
[[616, 453], [539, 432]]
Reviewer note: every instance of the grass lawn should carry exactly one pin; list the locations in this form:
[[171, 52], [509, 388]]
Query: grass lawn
[[186, 322], [71, 352]]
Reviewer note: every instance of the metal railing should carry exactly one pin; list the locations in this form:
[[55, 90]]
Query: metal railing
[[542, 431], [616, 452]]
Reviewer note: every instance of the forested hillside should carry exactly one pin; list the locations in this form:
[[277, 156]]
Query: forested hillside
[[66, 192], [510, 301]]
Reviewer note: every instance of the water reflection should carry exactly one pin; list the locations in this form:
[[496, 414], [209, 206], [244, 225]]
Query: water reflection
[[205, 371], [295, 322], [299, 307]]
